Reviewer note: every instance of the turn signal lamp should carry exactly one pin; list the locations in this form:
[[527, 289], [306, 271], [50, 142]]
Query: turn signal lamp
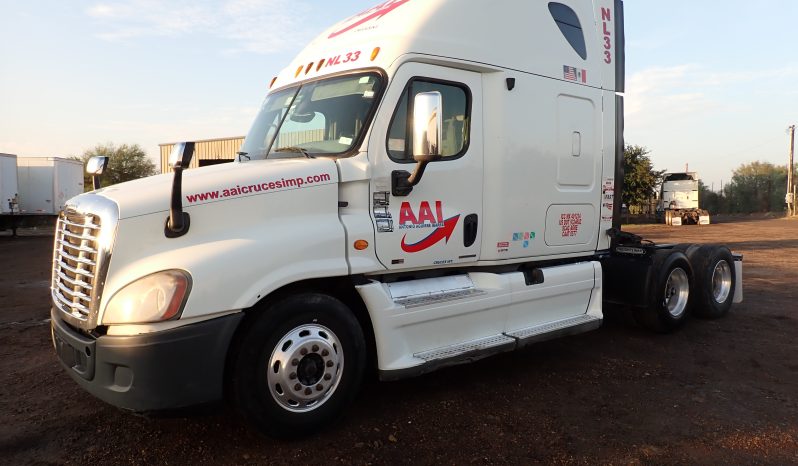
[[361, 245], [374, 53]]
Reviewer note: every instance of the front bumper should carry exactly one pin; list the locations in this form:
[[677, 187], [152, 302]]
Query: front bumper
[[163, 370]]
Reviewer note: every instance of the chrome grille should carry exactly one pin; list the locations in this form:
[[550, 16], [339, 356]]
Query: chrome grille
[[75, 264]]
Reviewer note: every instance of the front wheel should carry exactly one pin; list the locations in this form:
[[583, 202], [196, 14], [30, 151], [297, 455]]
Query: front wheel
[[299, 365]]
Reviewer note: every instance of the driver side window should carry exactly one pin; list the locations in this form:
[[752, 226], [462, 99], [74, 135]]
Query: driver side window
[[456, 121]]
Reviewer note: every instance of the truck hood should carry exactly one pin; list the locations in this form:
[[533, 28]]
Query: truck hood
[[220, 183]]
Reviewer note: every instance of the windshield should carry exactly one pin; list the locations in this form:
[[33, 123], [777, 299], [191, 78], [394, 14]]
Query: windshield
[[323, 117]]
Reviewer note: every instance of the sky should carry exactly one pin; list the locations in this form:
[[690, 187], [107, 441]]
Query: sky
[[710, 84]]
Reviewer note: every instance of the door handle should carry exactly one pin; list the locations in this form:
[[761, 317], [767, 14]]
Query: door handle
[[470, 229]]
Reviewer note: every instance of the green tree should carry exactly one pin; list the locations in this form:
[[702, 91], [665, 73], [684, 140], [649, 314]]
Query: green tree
[[640, 180], [757, 187], [708, 199], [127, 162]]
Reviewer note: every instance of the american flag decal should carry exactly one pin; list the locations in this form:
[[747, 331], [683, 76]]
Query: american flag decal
[[569, 73], [574, 74]]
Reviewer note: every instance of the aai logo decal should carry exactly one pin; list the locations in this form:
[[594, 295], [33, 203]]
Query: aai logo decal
[[425, 219]]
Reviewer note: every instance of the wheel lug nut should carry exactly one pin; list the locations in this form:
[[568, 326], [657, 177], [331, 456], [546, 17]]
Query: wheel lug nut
[[325, 353], [292, 376], [295, 362], [319, 387], [297, 387], [327, 376], [308, 391], [303, 351], [315, 348], [330, 363]]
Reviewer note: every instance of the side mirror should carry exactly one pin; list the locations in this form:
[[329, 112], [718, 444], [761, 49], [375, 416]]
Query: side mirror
[[95, 167], [427, 139], [181, 155], [427, 126]]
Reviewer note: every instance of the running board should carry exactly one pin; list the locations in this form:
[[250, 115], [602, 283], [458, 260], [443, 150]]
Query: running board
[[477, 349], [560, 328], [498, 343], [435, 298]]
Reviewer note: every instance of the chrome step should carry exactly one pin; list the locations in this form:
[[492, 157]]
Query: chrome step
[[433, 298], [570, 326], [483, 344]]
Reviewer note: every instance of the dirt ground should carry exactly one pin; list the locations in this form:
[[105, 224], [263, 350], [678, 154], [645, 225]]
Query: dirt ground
[[716, 392]]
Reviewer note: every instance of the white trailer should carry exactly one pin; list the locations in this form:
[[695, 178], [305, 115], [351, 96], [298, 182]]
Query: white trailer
[[8, 183], [429, 182], [47, 183]]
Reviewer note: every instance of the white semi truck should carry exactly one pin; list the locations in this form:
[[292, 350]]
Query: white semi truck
[[428, 183], [678, 200]]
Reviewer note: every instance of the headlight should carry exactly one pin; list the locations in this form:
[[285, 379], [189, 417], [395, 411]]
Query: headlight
[[154, 298]]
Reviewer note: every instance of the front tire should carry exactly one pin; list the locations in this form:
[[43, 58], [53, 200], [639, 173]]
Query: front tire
[[299, 365]]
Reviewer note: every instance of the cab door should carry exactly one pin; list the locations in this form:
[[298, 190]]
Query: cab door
[[439, 222]]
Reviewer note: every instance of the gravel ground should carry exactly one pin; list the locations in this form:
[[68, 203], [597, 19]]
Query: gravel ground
[[716, 392]]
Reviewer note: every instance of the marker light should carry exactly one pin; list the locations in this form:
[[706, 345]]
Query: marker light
[[374, 53], [298, 70], [361, 244], [274, 79], [154, 298]]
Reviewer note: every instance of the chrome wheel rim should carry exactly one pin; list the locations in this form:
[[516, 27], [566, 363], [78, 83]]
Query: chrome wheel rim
[[721, 282], [305, 368], [677, 291]]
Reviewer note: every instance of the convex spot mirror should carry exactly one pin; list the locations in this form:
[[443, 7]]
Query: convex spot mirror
[[96, 165], [181, 155]]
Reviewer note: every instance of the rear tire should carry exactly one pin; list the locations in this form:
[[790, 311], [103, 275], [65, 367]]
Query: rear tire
[[715, 281], [299, 365], [670, 298]]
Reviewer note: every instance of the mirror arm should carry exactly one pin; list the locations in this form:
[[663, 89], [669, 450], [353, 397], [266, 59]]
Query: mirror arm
[[402, 182], [178, 222], [415, 178]]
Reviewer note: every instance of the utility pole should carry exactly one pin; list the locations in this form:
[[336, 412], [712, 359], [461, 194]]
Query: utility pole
[[791, 207]]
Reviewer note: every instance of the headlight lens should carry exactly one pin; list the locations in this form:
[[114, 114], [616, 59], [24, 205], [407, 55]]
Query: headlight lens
[[154, 298]]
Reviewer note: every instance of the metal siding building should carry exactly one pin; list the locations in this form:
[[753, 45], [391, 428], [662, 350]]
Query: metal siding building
[[206, 152]]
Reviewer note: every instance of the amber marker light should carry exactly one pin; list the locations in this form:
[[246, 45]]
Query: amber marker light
[[298, 70], [271, 84], [361, 244], [321, 63], [374, 53], [309, 67]]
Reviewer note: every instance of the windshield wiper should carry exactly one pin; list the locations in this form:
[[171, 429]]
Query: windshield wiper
[[296, 149]]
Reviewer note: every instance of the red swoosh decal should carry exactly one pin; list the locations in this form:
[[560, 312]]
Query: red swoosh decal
[[377, 14], [440, 233]]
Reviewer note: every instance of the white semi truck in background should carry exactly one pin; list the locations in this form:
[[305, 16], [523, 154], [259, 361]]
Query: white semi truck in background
[[35, 190], [678, 200], [428, 183]]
